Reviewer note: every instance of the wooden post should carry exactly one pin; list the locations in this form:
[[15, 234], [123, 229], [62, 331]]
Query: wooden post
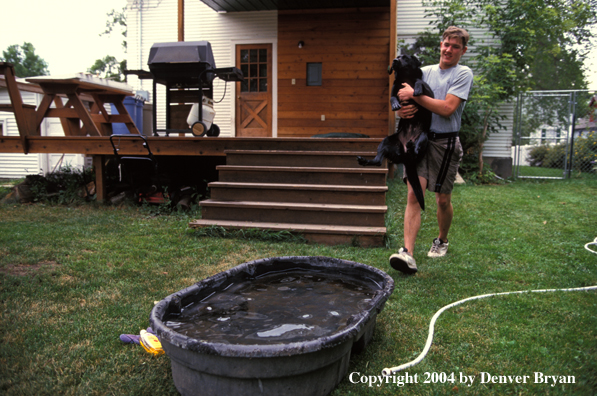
[[100, 188], [180, 20], [393, 41], [21, 115]]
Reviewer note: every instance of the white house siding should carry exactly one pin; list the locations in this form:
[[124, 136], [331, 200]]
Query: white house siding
[[157, 21], [15, 165], [411, 21]]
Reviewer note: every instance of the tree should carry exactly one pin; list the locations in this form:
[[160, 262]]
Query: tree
[[548, 40], [25, 61], [117, 18], [109, 68]]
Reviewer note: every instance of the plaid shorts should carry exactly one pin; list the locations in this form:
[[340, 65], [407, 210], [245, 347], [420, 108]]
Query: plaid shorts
[[440, 164]]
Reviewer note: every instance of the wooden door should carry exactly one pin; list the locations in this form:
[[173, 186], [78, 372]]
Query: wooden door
[[254, 95]]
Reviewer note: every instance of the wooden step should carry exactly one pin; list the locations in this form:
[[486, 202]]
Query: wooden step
[[306, 193], [332, 159], [324, 234], [290, 212], [302, 175]]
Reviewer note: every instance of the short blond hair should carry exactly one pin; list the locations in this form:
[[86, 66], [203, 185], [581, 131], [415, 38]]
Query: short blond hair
[[456, 32]]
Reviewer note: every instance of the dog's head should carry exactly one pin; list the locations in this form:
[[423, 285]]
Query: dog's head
[[405, 65]]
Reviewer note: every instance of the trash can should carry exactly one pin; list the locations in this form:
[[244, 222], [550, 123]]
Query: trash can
[[134, 106]]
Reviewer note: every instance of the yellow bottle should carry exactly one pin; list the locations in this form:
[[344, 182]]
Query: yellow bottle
[[150, 343]]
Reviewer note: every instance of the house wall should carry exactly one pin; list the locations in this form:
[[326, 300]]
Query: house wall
[[353, 47], [154, 21], [14, 165], [410, 22]]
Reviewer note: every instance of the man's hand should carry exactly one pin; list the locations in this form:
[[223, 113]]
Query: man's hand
[[406, 93], [407, 111]]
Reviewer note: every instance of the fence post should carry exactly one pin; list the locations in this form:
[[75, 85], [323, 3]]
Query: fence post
[[573, 123]]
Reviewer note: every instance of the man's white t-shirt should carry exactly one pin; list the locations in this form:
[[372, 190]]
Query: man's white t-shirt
[[458, 81]]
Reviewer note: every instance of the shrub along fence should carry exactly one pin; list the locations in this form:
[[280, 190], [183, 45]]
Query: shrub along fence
[[555, 135]]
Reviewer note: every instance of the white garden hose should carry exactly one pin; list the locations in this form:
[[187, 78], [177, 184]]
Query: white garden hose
[[393, 370], [591, 243]]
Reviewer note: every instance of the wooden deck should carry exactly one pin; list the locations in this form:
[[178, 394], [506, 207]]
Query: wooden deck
[[192, 146]]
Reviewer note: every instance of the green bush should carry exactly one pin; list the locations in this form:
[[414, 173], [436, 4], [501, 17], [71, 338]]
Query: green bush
[[65, 186], [585, 152], [555, 156], [537, 155]]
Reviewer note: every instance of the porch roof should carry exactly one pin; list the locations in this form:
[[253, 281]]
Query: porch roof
[[265, 5]]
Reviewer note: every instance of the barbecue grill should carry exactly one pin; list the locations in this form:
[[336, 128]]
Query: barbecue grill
[[187, 70]]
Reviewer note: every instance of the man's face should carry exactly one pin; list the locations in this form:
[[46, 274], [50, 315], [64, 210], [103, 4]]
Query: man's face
[[451, 51]]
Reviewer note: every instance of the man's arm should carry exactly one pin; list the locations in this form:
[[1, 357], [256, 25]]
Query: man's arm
[[444, 108]]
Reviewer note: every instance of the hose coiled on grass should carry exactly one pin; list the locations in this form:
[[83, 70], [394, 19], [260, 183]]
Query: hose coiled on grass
[[393, 370]]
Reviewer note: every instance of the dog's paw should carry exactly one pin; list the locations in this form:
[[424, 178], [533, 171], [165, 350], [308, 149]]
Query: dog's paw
[[362, 161], [395, 103]]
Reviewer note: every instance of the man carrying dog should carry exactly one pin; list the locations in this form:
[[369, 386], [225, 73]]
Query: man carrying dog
[[451, 84]]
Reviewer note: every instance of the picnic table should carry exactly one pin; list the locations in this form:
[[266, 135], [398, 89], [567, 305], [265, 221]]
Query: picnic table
[[96, 120], [77, 118]]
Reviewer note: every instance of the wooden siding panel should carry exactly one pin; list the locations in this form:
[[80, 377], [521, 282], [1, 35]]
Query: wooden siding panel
[[13, 165], [353, 47]]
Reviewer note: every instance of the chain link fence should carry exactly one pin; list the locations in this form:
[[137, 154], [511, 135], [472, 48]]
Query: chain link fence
[[555, 135]]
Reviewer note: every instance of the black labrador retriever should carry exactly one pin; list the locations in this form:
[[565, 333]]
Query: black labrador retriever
[[407, 146]]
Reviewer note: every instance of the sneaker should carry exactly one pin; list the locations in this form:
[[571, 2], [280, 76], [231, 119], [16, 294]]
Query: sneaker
[[438, 248], [403, 261]]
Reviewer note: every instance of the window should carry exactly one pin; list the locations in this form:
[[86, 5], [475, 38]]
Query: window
[[3, 127], [314, 74], [253, 63]]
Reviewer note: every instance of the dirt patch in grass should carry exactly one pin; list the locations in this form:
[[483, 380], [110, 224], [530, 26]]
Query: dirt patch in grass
[[28, 269]]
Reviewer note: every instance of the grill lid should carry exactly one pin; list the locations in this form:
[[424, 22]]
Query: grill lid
[[182, 52]]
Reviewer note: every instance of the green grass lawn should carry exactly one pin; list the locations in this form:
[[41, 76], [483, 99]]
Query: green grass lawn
[[72, 279], [553, 173]]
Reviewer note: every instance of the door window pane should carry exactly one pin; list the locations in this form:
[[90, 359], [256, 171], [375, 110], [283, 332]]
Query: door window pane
[[253, 64], [244, 56]]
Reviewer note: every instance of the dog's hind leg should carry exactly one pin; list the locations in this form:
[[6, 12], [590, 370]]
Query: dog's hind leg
[[373, 162], [378, 158], [420, 145]]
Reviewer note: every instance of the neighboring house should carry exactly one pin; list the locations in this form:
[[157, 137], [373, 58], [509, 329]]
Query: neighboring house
[[588, 124], [13, 166], [348, 49]]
